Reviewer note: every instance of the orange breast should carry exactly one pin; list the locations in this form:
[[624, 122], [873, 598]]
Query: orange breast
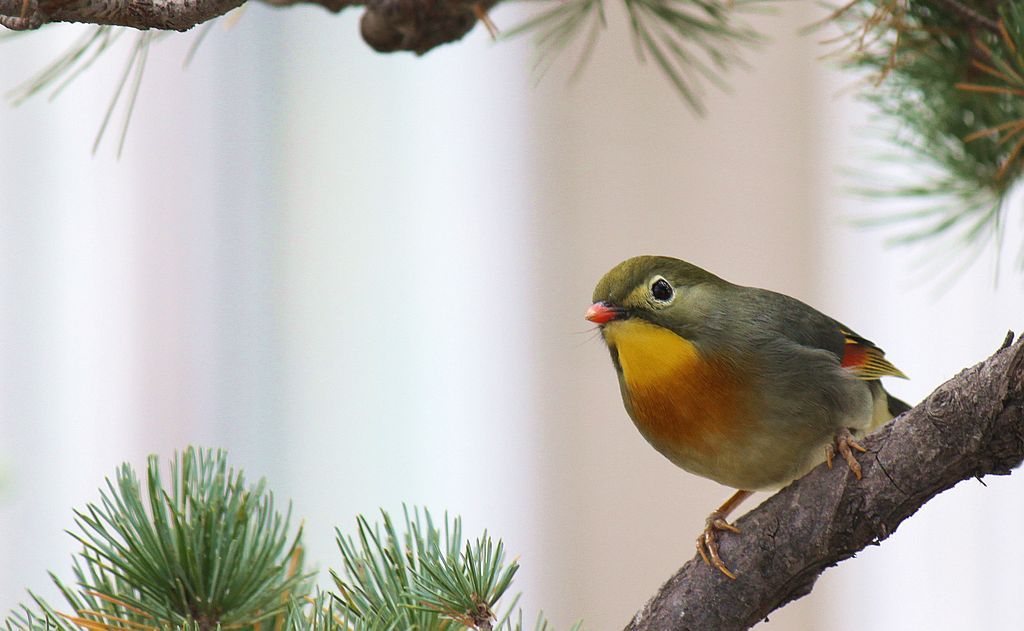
[[687, 406]]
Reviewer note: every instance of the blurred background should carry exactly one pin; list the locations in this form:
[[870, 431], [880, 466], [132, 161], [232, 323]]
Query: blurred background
[[365, 276]]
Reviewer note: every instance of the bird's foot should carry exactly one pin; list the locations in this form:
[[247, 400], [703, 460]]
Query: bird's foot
[[707, 542], [844, 443]]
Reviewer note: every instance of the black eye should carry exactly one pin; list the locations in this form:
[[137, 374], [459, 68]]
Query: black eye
[[661, 290]]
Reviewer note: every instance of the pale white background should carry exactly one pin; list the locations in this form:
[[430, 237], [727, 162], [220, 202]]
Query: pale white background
[[365, 276]]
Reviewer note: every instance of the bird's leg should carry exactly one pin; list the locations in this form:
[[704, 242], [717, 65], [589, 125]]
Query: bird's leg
[[707, 544], [844, 444]]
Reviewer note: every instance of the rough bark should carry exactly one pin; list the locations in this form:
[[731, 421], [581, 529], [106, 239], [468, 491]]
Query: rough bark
[[971, 426], [170, 15], [386, 25]]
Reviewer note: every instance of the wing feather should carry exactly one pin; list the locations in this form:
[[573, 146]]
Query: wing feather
[[866, 360]]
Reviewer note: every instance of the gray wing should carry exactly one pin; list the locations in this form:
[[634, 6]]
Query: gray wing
[[797, 321]]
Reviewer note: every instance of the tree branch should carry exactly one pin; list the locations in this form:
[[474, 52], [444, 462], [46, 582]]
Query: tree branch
[[972, 425], [386, 25], [169, 15]]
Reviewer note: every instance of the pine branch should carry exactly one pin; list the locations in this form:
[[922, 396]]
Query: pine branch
[[948, 75], [387, 25], [207, 552], [692, 41], [204, 551], [971, 426], [426, 578], [171, 15]]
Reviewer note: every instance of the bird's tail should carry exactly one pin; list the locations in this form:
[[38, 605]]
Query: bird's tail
[[896, 406], [887, 407]]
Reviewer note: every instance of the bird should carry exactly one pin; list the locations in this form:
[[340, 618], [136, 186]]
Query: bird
[[745, 386]]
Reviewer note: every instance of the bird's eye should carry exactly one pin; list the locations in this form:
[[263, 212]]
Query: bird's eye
[[661, 290]]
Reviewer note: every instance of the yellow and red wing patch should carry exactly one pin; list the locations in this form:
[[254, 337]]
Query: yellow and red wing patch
[[866, 360]]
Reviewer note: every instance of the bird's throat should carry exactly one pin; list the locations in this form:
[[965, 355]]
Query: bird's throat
[[648, 353]]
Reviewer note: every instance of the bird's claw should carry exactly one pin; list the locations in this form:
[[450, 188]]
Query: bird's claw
[[707, 543], [844, 443]]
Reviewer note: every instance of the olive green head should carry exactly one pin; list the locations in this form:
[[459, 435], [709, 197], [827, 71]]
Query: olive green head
[[633, 283], [663, 290]]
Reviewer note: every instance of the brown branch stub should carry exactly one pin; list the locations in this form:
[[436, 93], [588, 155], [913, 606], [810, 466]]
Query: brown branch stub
[[412, 25], [418, 25], [334, 6], [972, 425], [1007, 341]]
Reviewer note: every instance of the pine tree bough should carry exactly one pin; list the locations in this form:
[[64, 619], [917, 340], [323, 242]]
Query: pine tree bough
[[387, 25], [971, 426], [170, 15]]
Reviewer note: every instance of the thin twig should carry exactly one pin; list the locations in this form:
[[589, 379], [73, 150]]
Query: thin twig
[[971, 15]]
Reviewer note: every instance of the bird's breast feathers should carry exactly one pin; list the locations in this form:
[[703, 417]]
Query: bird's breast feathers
[[687, 406]]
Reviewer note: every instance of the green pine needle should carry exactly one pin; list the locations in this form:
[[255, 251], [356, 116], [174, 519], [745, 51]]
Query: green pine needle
[[81, 56], [207, 552], [321, 612], [693, 42], [426, 578], [950, 75], [204, 551], [464, 586]]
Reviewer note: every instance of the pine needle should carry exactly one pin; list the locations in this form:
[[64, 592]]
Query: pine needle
[[950, 76], [83, 54], [208, 552], [693, 42]]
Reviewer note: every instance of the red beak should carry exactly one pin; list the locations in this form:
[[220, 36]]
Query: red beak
[[601, 312]]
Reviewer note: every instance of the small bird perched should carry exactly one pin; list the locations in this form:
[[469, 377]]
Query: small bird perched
[[745, 386]]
